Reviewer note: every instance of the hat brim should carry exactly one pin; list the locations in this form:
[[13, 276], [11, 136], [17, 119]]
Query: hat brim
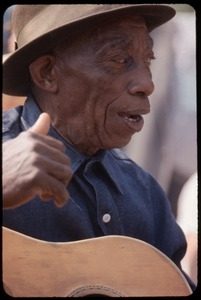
[[16, 66]]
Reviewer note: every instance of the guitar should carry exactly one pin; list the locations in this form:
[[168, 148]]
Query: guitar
[[113, 266]]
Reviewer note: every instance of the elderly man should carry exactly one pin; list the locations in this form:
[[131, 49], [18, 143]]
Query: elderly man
[[85, 70]]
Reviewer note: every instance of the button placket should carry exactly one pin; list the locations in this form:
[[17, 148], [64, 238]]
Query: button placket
[[107, 213]]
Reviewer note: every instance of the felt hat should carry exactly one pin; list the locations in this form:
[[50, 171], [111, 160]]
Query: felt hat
[[38, 28]]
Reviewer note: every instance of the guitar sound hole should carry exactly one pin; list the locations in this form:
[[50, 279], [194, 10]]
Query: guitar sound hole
[[95, 291], [96, 295]]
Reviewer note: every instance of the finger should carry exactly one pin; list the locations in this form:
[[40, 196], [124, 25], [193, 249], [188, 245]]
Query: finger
[[41, 128], [59, 202], [44, 142], [42, 125], [61, 172], [52, 162], [52, 151], [51, 188]]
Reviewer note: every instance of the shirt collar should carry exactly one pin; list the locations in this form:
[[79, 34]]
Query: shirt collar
[[108, 161]]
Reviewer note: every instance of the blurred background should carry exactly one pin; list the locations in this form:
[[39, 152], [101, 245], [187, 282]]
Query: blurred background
[[8, 47], [167, 145]]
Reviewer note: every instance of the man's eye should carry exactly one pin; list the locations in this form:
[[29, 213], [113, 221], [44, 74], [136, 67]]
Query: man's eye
[[123, 61], [148, 60]]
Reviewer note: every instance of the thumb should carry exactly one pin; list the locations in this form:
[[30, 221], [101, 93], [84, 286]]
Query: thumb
[[42, 125]]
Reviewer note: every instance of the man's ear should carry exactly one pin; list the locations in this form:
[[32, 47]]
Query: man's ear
[[43, 73]]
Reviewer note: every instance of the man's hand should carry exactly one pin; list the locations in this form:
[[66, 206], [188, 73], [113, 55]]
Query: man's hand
[[35, 164]]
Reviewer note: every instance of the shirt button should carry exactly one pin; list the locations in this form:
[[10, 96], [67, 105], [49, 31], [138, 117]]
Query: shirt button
[[106, 218]]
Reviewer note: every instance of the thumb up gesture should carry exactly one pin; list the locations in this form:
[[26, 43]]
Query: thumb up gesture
[[35, 164]]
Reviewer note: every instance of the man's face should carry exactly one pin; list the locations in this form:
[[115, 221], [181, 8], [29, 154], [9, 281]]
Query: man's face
[[104, 84]]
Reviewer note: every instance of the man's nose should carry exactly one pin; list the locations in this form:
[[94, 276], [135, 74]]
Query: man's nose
[[141, 82]]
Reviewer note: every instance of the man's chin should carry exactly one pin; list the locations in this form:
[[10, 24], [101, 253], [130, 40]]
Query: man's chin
[[118, 144]]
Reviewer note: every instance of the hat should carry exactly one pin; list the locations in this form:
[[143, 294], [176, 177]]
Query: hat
[[39, 28]]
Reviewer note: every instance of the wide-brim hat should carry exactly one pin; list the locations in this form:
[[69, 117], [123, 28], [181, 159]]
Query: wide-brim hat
[[39, 28]]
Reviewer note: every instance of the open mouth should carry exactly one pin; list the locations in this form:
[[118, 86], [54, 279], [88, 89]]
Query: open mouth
[[133, 118], [134, 122]]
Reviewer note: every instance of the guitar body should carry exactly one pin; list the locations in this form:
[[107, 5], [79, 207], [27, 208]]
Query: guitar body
[[112, 266]]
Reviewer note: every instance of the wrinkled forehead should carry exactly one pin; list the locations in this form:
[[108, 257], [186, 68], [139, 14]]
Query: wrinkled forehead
[[124, 25], [130, 28], [107, 31]]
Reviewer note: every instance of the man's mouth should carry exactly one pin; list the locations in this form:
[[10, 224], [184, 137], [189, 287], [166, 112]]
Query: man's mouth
[[132, 118], [133, 122]]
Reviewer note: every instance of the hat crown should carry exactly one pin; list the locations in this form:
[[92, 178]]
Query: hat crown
[[23, 14], [33, 21]]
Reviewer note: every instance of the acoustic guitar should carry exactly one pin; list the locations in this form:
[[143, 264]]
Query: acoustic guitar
[[112, 266]]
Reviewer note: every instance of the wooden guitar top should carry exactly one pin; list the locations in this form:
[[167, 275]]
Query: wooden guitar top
[[115, 266]]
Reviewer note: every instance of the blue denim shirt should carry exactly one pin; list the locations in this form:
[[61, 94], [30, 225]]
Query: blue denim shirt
[[109, 195]]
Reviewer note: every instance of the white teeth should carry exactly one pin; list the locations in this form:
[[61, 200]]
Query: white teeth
[[132, 119]]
